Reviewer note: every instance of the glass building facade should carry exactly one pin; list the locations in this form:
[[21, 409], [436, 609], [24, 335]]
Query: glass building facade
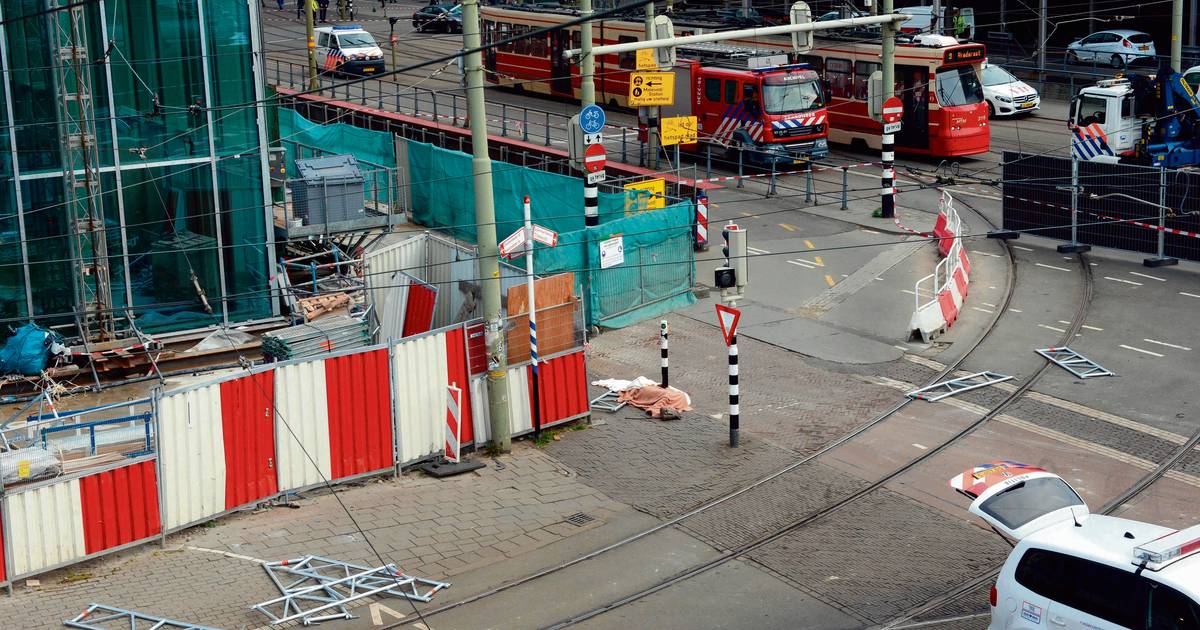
[[178, 149]]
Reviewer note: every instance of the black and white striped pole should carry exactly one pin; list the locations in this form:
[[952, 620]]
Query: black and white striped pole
[[591, 204], [893, 111], [727, 317], [663, 330]]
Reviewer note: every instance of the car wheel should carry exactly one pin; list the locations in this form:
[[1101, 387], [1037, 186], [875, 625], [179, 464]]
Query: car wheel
[[1072, 57], [991, 110], [1117, 61]]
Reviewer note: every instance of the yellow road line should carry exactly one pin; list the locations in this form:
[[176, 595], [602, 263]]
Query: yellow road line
[[788, 226], [819, 261], [808, 244], [829, 280]]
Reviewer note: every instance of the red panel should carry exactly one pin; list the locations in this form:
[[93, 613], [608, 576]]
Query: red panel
[[562, 387], [119, 506], [456, 374], [964, 261], [360, 413], [960, 281], [248, 427], [418, 316], [949, 310], [476, 349]]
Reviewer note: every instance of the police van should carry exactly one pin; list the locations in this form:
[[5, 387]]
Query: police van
[[348, 49], [1071, 569]]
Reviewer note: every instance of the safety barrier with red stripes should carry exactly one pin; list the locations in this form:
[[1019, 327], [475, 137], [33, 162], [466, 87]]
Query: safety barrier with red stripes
[[939, 297], [239, 441]]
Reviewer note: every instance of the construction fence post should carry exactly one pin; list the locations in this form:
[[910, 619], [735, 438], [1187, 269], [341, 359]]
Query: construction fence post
[[663, 331], [739, 184], [845, 186]]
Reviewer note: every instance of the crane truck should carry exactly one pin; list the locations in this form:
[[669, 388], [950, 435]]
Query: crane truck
[[1138, 119]]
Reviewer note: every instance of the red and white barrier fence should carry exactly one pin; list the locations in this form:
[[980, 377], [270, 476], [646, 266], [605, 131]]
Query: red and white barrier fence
[[238, 441], [939, 297]]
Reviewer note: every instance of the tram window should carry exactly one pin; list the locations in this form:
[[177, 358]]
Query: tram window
[[712, 90], [628, 60], [505, 33], [731, 92], [521, 46], [576, 40], [814, 61], [487, 31], [537, 45], [837, 73], [862, 78]]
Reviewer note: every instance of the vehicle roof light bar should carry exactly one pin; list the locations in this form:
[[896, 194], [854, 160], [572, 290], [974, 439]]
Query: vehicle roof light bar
[[1165, 550]]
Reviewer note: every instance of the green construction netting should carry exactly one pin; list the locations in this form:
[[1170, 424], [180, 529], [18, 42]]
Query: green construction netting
[[443, 194]]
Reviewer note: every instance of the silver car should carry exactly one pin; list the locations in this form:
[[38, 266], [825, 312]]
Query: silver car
[[1117, 48]]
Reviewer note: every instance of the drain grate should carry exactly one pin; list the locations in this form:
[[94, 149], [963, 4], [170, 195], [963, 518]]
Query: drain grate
[[579, 519]]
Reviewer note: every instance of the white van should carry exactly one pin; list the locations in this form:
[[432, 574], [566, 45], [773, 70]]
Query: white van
[[1073, 570], [348, 49]]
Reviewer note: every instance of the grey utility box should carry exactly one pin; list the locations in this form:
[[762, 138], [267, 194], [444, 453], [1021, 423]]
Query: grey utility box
[[330, 190]]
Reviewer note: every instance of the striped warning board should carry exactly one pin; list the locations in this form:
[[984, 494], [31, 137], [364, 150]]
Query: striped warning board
[[1089, 142]]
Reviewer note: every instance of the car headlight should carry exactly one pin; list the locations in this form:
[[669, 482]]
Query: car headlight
[[1003, 99]]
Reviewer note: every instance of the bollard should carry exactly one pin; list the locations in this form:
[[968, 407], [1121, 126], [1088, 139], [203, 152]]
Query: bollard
[[739, 184], [435, 109], [663, 331], [623, 132], [707, 161], [771, 187], [525, 124], [547, 128], [845, 186], [809, 193], [504, 119], [416, 102], [734, 408]]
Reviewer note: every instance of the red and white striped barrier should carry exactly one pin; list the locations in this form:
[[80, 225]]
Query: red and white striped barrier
[[939, 297], [702, 222]]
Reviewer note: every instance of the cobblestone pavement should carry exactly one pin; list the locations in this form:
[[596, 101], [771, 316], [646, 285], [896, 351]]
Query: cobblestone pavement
[[664, 468], [428, 527]]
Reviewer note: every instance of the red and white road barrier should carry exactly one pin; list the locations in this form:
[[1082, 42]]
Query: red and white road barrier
[[939, 297], [701, 244]]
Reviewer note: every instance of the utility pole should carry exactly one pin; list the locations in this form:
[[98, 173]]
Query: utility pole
[[1192, 22], [1176, 35], [887, 184], [587, 96], [485, 228], [1041, 54], [651, 112], [935, 23], [312, 44]]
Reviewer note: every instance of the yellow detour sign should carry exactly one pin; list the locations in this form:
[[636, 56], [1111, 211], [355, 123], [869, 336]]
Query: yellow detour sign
[[651, 88], [678, 130], [645, 195], [646, 60]]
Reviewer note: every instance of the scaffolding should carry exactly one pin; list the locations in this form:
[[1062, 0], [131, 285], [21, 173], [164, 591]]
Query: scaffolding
[[67, 27], [101, 617]]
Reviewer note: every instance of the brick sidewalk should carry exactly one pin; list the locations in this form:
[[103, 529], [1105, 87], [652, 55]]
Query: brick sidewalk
[[428, 527]]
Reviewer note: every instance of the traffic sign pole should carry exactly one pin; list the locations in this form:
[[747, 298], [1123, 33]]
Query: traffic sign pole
[[887, 201], [893, 113], [734, 406], [535, 397]]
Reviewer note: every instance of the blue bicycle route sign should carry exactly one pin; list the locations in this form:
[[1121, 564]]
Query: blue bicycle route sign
[[591, 119]]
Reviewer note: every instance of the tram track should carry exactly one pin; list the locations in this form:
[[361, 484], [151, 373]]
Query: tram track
[[779, 532]]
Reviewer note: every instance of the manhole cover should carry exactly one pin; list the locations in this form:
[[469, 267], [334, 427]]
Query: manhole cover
[[579, 519]]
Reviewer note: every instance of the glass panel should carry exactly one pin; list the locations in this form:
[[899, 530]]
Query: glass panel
[[958, 86], [12, 279], [1020, 504]]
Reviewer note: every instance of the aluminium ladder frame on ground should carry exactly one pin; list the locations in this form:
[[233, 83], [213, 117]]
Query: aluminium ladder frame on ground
[[953, 386], [110, 614], [1074, 362]]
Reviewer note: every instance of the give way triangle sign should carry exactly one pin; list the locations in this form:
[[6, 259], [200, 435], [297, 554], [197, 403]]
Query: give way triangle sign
[[728, 317]]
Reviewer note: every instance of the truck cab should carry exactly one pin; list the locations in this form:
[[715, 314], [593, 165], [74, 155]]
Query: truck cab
[[1138, 119], [773, 115], [1104, 121]]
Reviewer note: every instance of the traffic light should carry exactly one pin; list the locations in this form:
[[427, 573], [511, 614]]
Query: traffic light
[[736, 271]]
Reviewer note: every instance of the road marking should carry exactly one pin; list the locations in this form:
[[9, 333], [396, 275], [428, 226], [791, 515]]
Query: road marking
[[983, 310], [802, 263], [377, 609], [1163, 343], [755, 250], [1016, 310], [1094, 264], [808, 244], [1142, 275], [1089, 327], [1022, 248], [1153, 354], [1052, 328], [902, 290], [1052, 267], [901, 348], [976, 251], [1067, 258], [921, 446], [1189, 294], [818, 260], [988, 304], [869, 231], [788, 226], [1123, 280], [829, 280]]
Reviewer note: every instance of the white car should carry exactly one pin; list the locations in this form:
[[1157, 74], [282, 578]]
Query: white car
[[1071, 569], [347, 49], [1116, 48], [1192, 76], [1007, 95]]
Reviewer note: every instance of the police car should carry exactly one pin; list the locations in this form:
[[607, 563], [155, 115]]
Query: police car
[[348, 49], [1071, 569]]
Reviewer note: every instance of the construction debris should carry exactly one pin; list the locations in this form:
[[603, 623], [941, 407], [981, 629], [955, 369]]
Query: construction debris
[[322, 306], [222, 339], [319, 337], [317, 589], [26, 464], [101, 617]]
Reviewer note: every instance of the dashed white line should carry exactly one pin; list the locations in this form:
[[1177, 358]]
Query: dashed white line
[[1052, 267], [976, 251], [1090, 327], [755, 250], [983, 310], [1153, 354], [803, 263], [1169, 345], [1016, 310], [1189, 294], [1055, 329], [921, 446], [1123, 280], [1022, 248], [869, 231], [988, 304], [1142, 275]]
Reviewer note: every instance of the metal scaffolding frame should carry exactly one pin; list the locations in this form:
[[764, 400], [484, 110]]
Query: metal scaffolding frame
[[950, 387], [101, 617], [1074, 362], [317, 589]]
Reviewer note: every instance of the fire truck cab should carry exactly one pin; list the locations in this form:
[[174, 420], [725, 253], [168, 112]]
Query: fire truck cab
[[773, 114]]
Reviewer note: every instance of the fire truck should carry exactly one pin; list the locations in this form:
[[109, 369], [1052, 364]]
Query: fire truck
[[771, 111]]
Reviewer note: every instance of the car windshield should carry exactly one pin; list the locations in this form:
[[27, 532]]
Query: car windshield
[[456, 10], [1193, 79], [1020, 504], [789, 94], [995, 75], [958, 86], [356, 40], [1140, 38], [1091, 110]]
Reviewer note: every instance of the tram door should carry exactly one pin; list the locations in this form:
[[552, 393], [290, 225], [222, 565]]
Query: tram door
[[560, 66], [912, 84]]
